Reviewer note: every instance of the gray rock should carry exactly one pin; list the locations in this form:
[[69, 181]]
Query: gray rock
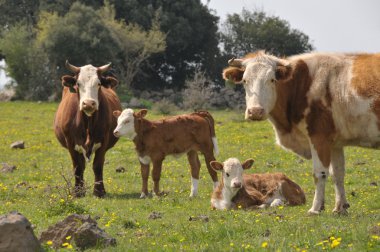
[[82, 228], [120, 169], [16, 234], [18, 145], [7, 168], [90, 235], [155, 215]]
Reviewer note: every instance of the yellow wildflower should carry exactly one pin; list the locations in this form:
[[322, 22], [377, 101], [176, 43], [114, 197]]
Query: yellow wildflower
[[264, 244]]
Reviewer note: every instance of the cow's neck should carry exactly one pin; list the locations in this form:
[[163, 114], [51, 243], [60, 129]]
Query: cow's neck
[[291, 98], [142, 126]]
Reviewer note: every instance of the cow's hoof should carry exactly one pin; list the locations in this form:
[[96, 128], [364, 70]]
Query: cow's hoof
[[99, 193], [193, 195], [143, 195], [341, 211], [313, 212], [79, 192]]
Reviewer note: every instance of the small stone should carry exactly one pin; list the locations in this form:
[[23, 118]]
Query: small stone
[[18, 145], [155, 215], [373, 183], [199, 217], [120, 169], [7, 168]]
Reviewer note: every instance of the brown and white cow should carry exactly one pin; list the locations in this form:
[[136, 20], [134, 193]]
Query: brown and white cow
[[318, 103], [84, 123], [252, 190], [154, 140]]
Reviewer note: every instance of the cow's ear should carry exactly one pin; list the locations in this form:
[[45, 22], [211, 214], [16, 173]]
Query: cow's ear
[[233, 74], [116, 113], [109, 82], [247, 163], [217, 166], [283, 72], [142, 113], [70, 82]]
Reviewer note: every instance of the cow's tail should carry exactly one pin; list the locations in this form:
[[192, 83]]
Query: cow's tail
[[206, 115]]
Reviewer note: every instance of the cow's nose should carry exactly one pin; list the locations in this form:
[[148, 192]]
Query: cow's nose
[[116, 133], [256, 113], [237, 184], [89, 104]]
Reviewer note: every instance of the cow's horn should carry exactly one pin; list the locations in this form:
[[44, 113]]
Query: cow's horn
[[72, 68], [104, 68], [235, 62]]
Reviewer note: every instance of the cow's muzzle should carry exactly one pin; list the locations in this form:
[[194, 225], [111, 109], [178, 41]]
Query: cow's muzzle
[[89, 107], [255, 113]]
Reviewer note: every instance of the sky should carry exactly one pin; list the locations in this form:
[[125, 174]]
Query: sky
[[332, 25]]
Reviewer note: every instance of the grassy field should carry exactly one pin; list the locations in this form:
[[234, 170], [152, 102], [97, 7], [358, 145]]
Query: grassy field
[[37, 189]]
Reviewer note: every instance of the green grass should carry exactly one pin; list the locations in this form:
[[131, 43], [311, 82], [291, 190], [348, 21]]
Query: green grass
[[43, 199]]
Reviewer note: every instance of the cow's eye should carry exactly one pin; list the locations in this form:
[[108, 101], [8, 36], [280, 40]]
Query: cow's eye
[[244, 81], [273, 80], [227, 174]]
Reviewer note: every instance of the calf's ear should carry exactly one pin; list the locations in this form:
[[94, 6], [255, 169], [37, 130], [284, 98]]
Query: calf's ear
[[217, 166], [70, 82], [247, 163], [233, 75], [116, 113], [142, 113]]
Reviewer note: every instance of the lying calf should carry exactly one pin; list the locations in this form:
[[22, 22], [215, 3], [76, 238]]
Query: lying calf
[[252, 190], [154, 140]]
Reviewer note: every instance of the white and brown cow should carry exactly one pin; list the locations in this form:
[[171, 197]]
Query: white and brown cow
[[84, 123], [154, 140], [318, 103], [252, 190]]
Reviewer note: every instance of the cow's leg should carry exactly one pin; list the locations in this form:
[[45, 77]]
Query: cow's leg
[[78, 167], [337, 171], [320, 173], [156, 174], [144, 176], [195, 166], [209, 156], [97, 167]]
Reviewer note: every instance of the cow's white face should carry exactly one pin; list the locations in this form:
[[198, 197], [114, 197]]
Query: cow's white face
[[232, 171], [87, 82], [125, 123], [88, 86], [260, 91]]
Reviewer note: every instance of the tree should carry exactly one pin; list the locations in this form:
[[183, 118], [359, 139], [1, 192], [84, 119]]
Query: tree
[[252, 31], [26, 63], [36, 58], [192, 41]]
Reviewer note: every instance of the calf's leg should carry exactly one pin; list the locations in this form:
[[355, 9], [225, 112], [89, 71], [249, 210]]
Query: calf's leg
[[144, 176], [209, 156], [156, 174], [195, 166], [337, 171]]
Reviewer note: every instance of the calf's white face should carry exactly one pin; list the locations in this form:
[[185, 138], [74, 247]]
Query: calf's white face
[[125, 123], [232, 171]]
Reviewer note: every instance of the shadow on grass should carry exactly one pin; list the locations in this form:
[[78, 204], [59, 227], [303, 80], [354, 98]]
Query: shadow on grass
[[123, 195]]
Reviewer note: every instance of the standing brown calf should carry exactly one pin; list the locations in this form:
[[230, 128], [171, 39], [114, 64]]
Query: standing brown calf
[[252, 190], [154, 140]]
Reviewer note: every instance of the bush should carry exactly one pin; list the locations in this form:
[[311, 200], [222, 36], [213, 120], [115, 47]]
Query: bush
[[197, 92], [165, 107]]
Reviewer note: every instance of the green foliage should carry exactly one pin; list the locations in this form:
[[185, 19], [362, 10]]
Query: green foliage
[[27, 63], [252, 31], [165, 107], [192, 40], [124, 216]]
